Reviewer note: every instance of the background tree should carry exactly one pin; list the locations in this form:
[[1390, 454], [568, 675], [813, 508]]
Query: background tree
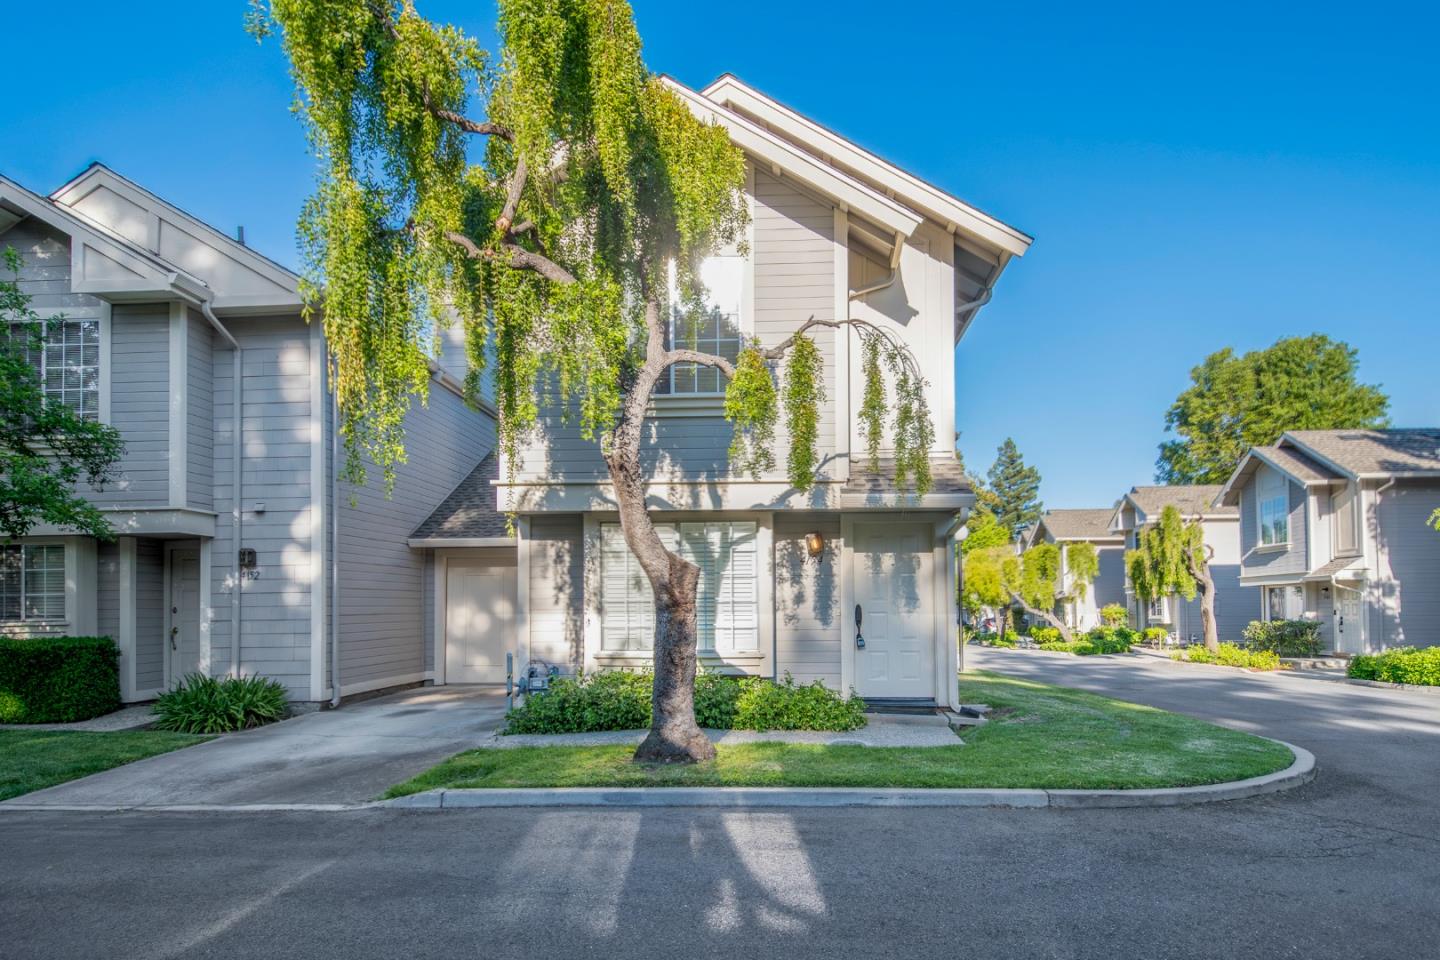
[[1235, 403], [984, 585], [1032, 580], [1014, 490], [544, 194], [984, 531], [1082, 563], [45, 446], [1173, 558]]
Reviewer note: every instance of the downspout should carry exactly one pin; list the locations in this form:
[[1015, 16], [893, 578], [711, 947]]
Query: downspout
[[237, 479], [334, 549]]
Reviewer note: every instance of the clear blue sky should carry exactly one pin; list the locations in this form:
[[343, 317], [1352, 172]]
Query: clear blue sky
[[1194, 179]]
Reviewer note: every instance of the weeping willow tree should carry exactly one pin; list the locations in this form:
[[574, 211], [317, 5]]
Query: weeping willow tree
[[1032, 580], [1172, 557], [543, 195]]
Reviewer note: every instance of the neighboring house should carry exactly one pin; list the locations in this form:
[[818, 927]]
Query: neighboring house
[[835, 232], [1235, 603], [1064, 527], [1333, 528], [161, 311]]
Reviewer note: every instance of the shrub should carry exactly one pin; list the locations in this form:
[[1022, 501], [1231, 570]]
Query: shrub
[[58, 679], [1112, 639], [1231, 655], [989, 639], [1155, 636], [1405, 665], [1044, 635], [1114, 615], [612, 700], [201, 704], [1287, 638]]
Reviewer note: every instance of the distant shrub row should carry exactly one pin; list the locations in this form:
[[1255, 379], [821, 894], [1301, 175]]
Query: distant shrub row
[[1405, 665]]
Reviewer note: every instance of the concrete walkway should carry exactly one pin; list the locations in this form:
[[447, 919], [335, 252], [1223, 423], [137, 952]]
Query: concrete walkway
[[879, 731], [136, 717], [333, 756]]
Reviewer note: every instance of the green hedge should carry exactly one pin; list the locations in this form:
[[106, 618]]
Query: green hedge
[[1231, 655], [1286, 638], [1044, 635], [991, 639], [1405, 665], [1156, 636], [58, 679], [615, 700], [1101, 640]]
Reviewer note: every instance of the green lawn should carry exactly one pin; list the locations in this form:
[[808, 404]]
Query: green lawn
[[34, 759], [1039, 736]]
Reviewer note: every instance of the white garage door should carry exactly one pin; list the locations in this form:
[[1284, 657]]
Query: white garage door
[[479, 621]]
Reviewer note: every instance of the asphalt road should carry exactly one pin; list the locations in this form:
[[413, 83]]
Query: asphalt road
[[1348, 866]]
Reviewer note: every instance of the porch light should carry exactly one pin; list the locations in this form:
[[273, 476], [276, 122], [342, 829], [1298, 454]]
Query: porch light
[[814, 543]]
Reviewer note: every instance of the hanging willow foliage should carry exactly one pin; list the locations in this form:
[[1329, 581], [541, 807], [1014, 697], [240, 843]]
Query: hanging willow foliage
[[541, 197]]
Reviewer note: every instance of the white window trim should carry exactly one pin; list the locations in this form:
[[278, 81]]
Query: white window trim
[[101, 314], [1262, 499], [717, 652], [65, 590]]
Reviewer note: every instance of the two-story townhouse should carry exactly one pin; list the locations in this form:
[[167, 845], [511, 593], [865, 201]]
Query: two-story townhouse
[[1333, 527], [237, 550], [1066, 527], [847, 583], [1235, 603]]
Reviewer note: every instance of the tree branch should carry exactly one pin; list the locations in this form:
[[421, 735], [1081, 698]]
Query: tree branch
[[704, 359], [519, 258], [512, 197]]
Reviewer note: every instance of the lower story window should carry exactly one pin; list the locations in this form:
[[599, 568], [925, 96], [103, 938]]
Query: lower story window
[[727, 599], [1159, 610], [32, 582]]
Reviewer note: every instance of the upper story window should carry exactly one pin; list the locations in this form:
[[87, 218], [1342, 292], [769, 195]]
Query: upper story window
[[68, 363], [32, 582], [727, 598], [1273, 496], [717, 329]]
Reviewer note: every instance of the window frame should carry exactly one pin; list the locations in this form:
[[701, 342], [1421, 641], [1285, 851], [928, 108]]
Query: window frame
[[40, 361], [1271, 487], [744, 327], [23, 588], [717, 636]]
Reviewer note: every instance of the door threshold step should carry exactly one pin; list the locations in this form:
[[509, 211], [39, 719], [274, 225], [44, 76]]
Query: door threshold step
[[901, 707]]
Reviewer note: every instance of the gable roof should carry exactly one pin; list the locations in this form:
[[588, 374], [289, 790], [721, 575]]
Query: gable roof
[[240, 278], [101, 263], [1372, 454], [949, 211], [850, 193], [1087, 524], [1320, 457], [469, 513], [1192, 500]]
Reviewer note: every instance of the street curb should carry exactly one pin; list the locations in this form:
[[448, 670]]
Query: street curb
[[1301, 772]]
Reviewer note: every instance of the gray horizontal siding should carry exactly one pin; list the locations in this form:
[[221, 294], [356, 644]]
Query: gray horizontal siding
[[140, 405], [149, 614], [107, 589], [794, 279], [556, 591], [808, 624], [275, 631], [200, 412], [1406, 596], [1259, 561], [383, 616], [1109, 585]]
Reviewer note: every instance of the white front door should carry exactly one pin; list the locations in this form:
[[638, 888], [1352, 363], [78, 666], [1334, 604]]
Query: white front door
[[1349, 621], [479, 621], [182, 640], [894, 580]]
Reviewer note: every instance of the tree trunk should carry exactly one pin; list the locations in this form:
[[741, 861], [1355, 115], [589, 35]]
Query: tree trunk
[[1048, 616], [674, 735], [1205, 587]]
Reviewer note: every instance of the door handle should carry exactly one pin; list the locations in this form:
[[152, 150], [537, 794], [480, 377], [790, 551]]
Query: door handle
[[173, 631]]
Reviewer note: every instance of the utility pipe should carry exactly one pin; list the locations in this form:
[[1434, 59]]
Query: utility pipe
[[237, 514], [334, 548]]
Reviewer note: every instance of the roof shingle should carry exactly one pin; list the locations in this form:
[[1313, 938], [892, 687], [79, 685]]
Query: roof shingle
[[1080, 524], [1191, 500], [469, 512], [1375, 452]]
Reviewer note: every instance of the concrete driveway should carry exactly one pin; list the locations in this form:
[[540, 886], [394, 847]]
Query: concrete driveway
[[333, 756]]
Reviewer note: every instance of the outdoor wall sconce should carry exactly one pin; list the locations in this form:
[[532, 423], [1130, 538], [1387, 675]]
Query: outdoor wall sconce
[[814, 543], [1325, 593]]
